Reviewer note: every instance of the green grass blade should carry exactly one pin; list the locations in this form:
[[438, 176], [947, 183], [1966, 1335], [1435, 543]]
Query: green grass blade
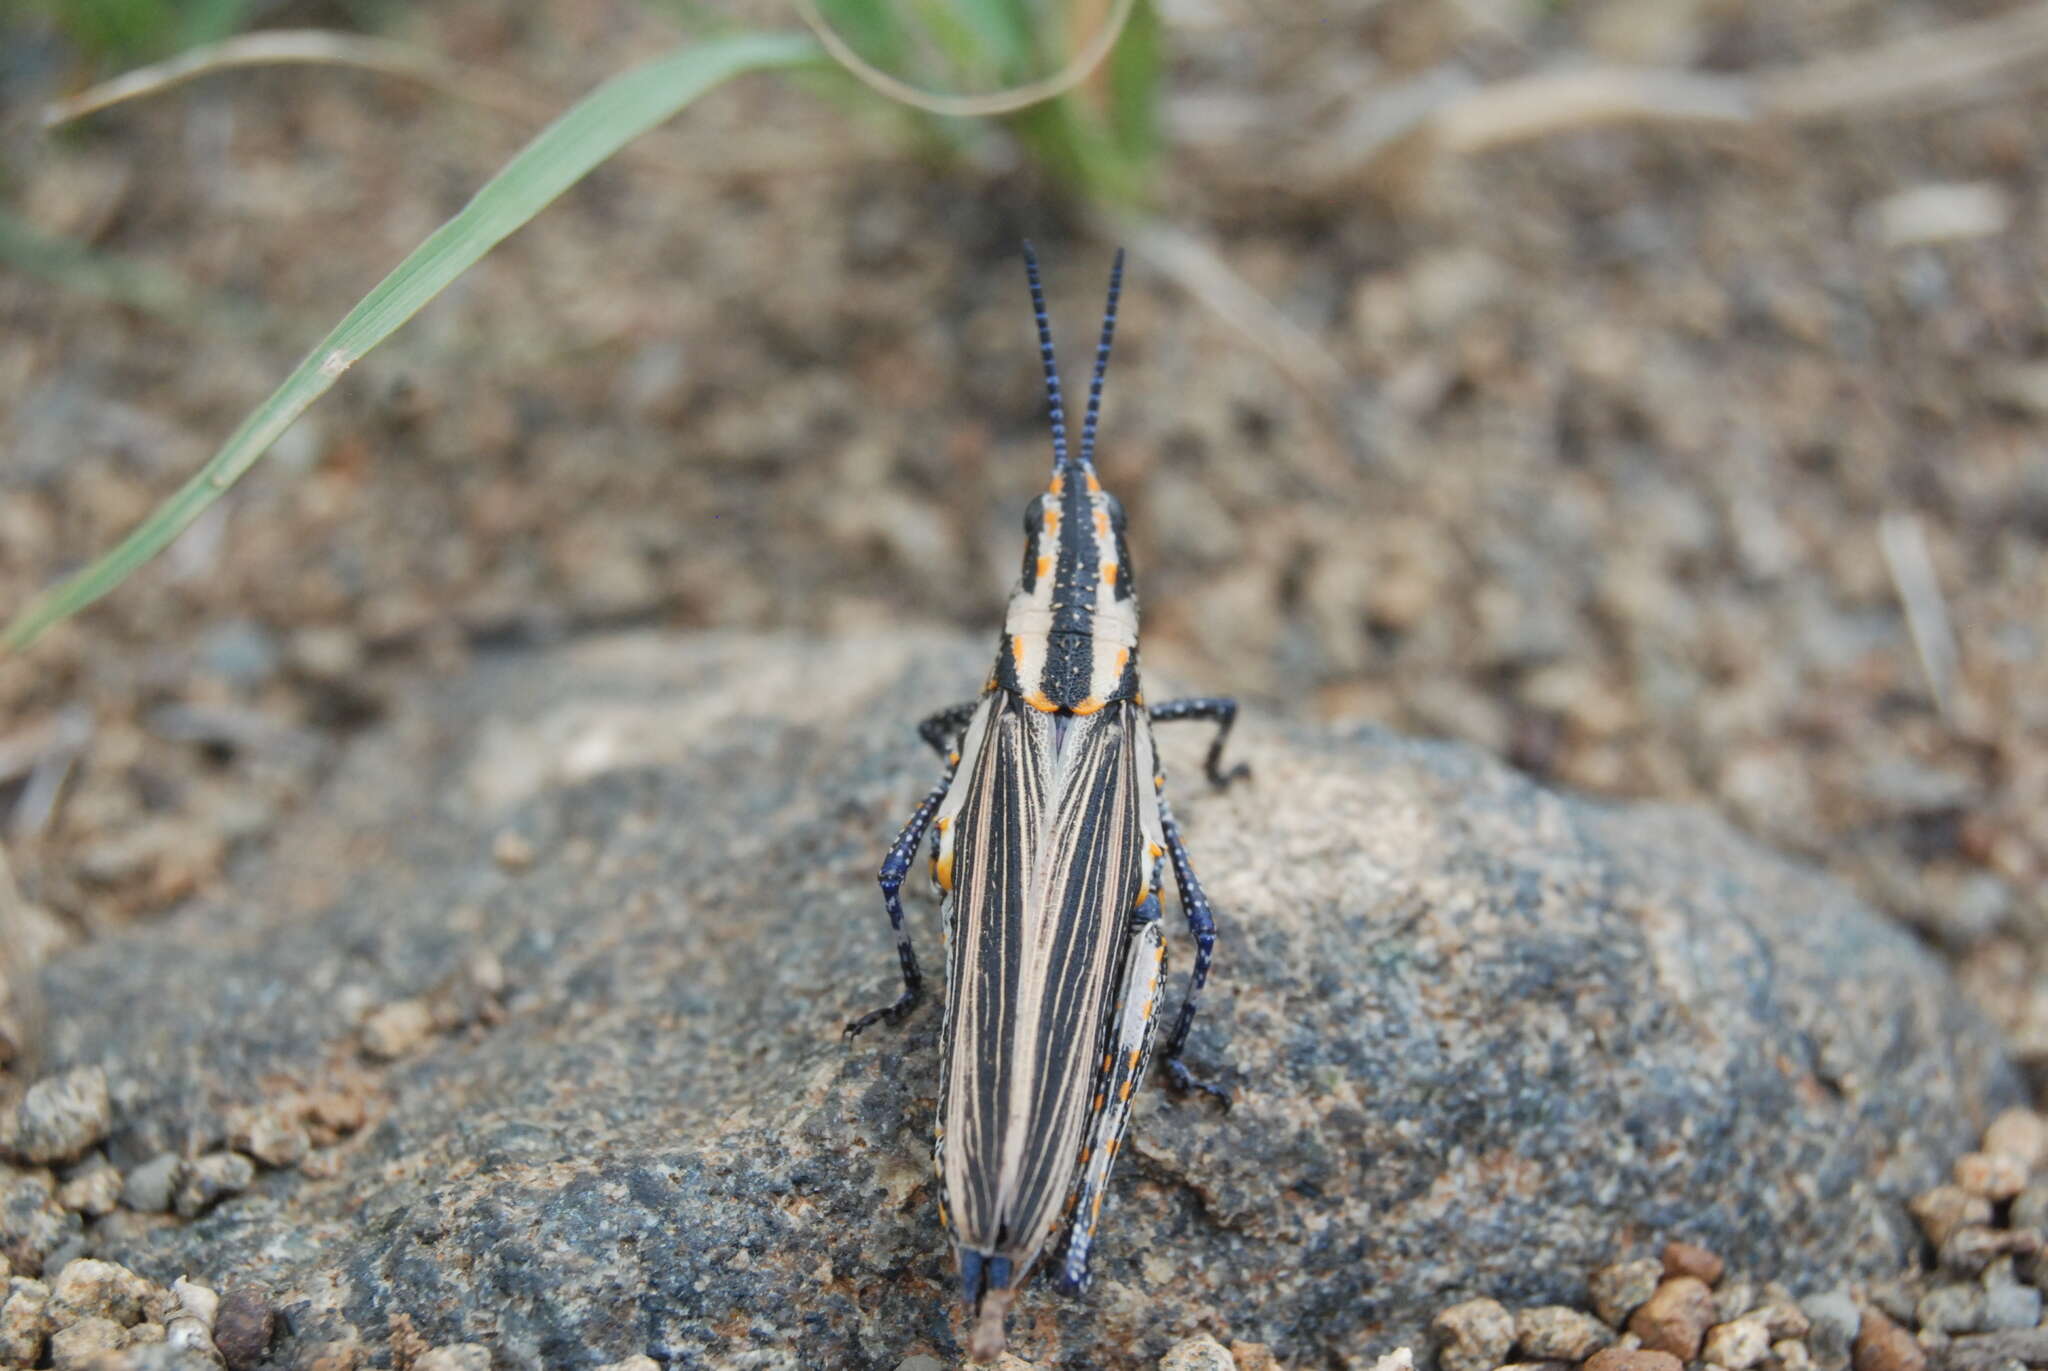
[[560, 155]]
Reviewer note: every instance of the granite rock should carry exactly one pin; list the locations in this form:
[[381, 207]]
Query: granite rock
[[1483, 1037]]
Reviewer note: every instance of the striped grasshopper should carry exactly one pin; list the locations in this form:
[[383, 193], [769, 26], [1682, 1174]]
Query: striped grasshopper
[[1049, 829]]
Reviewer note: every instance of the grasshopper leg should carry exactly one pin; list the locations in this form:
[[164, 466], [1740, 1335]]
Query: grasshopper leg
[[895, 867], [1127, 1052], [1213, 709], [1202, 924], [942, 730]]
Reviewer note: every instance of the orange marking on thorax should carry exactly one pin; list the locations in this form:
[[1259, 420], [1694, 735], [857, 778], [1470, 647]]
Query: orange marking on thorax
[[1134, 1058], [1044, 567], [942, 870], [1109, 578], [1123, 1093], [1102, 524], [1094, 486], [1088, 706], [1041, 702], [1123, 654], [1052, 523], [1058, 485]]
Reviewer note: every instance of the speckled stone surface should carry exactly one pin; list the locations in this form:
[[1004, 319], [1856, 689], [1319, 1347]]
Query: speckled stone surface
[[1484, 1039]]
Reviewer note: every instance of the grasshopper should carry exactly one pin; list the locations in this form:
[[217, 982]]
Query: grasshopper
[[1048, 832]]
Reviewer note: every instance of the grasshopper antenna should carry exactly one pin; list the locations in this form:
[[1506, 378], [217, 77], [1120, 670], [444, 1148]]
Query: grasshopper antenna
[[1116, 285], [1052, 370]]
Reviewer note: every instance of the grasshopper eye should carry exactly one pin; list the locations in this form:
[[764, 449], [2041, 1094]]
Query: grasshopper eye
[[1034, 514], [1116, 512]]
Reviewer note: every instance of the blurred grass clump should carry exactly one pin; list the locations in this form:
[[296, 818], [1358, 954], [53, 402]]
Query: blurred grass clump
[[1101, 139], [1076, 82], [111, 33]]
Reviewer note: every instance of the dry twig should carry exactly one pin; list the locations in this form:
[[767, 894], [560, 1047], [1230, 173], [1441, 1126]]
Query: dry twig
[[1905, 555]]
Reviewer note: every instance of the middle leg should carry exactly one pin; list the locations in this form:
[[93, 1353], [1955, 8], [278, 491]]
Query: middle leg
[[1202, 924], [1214, 709], [895, 867]]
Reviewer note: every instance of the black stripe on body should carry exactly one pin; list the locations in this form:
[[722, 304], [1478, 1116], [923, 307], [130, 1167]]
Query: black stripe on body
[[1077, 575], [1078, 570], [1048, 858]]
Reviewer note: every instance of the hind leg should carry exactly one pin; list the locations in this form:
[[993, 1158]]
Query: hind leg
[[895, 867], [1202, 924]]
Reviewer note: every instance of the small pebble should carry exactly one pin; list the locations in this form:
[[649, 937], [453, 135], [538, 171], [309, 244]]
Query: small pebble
[[210, 1179], [146, 1332], [1400, 1359], [341, 1111], [273, 1139], [1555, 1333], [73, 1348], [1792, 1355], [1732, 1300], [2030, 1208], [1690, 1259], [1256, 1356], [396, 1029], [1478, 1335], [461, 1356], [1199, 1353], [150, 1187], [154, 1356], [1990, 1174], [59, 1118], [1783, 1318], [196, 1301], [94, 1190], [2011, 1306], [1676, 1317], [512, 850], [1738, 1344], [244, 1326], [88, 1288], [1973, 1247], [24, 1321], [1945, 1208], [643, 1362], [34, 1228], [2020, 1134], [1882, 1345], [1951, 1309], [1632, 1359], [1621, 1289]]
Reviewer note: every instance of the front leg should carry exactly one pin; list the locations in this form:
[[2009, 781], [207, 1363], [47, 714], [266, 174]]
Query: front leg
[[1217, 710], [895, 867], [1202, 924]]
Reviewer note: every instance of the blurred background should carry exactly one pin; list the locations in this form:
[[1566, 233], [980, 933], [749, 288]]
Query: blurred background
[[1654, 392]]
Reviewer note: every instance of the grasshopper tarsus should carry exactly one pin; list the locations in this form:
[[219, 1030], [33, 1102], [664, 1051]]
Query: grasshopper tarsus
[[894, 1013], [1225, 779], [1186, 1082]]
